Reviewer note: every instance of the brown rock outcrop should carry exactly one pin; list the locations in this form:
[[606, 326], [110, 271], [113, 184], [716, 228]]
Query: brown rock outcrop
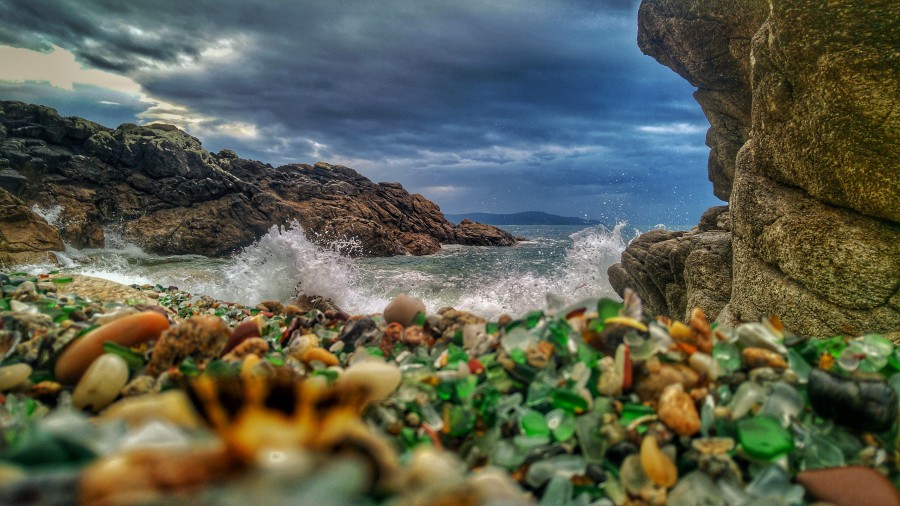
[[164, 192], [25, 237], [477, 234], [805, 145]]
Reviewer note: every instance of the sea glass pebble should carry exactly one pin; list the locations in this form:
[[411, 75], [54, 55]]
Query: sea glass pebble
[[763, 437]]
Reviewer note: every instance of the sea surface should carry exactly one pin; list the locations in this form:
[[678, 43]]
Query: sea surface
[[555, 267]]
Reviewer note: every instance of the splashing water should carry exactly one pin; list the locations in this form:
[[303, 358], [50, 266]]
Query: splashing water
[[50, 214], [282, 264], [556, 267]]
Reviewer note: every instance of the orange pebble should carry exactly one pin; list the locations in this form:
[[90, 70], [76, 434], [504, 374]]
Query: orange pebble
[[657, 465], [320, 354], [126, 331]]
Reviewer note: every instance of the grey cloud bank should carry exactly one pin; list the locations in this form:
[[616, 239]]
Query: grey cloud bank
[[505, 107]]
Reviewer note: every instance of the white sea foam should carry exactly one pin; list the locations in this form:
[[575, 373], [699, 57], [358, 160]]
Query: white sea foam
[[582, 275], [51, 214], [550, 271], [282, 264]]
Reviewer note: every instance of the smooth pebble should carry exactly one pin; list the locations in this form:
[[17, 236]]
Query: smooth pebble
[[14, 375], [101, 383]]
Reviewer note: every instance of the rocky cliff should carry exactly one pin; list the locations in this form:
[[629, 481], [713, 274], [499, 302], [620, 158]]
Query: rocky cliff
[[167, 194], [804, 140]]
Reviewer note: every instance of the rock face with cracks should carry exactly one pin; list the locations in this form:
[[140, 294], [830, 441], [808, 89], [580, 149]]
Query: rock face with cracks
[[167, 194], [805, 147], [25, 237]]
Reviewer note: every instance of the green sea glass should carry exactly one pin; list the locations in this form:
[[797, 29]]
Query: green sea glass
[[568, 400], [561, 424], [728, 356], [533, 423], [763, 437]]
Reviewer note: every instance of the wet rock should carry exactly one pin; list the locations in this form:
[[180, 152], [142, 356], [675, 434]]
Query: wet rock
[[25, 237], [850, 486], [864, 404], [475, 234], [200, 337]]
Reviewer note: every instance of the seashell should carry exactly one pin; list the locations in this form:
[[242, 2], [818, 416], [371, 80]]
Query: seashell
[[126, 331], [101, 383]]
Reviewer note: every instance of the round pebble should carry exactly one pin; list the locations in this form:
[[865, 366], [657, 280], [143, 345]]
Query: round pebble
[[14, 375], [403, 309], [379, 377], [101, 383]]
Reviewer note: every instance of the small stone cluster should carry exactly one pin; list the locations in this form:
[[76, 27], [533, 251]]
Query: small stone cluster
[[184, 399]]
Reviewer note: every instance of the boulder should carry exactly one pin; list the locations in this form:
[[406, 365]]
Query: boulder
[[476, 234], [25, 237], [163, 191], [804, 146]]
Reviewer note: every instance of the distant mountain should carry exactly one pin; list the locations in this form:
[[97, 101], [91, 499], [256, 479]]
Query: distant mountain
[[526, 218]]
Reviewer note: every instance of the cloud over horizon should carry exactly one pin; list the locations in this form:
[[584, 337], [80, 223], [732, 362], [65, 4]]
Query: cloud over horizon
[[505, 107]]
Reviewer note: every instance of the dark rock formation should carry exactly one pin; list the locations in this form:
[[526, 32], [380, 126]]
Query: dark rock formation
[[804, 143], [167, 194], [25, 237], [477, 234]]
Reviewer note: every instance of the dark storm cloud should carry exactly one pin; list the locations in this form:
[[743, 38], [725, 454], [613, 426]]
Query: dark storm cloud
[[466, 95]]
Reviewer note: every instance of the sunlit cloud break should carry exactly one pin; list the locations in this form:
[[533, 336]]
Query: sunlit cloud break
[[673, 129]]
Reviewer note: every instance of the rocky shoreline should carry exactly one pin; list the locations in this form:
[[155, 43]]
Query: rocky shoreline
[[149, 395], [157, 187]]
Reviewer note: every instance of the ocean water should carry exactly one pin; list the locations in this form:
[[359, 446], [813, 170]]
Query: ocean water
[[556, 266]]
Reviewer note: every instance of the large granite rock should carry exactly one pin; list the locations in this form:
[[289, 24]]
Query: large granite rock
[[25, 237], [804, 144], [676, 271], [160, 189]]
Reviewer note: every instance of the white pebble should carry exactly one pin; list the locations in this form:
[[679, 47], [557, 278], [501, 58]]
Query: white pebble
[[102, 382], [14, 375], [381, 378]]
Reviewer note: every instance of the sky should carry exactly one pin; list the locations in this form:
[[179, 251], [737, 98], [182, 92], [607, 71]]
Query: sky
[[501, 106]]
